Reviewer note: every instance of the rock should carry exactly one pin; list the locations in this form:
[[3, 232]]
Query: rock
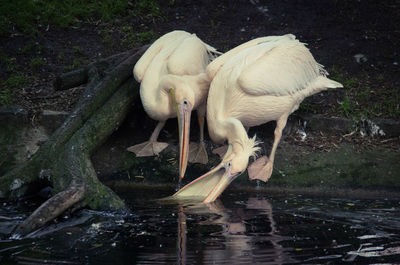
[[327, 125], [360, 58], [391, 128]]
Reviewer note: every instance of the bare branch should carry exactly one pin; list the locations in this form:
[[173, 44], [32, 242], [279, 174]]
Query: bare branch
[[52, 208]]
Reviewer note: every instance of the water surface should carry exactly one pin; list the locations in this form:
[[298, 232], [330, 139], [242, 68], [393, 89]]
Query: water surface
[[240, 228]]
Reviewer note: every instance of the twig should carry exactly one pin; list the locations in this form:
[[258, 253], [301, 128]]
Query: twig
[[28, 260], [389, 140]]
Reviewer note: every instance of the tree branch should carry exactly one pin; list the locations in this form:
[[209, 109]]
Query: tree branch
[[80, 76], [52, 208]]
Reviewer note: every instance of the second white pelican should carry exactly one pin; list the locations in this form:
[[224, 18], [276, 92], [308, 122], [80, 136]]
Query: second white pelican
[[173, 83], [262, 80]]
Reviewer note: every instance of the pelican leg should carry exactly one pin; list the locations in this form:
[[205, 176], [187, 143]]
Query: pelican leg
[[197, 151], [262, 168], [151, 147]]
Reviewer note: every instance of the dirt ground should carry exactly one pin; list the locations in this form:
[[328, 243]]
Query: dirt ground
[[336, 33]]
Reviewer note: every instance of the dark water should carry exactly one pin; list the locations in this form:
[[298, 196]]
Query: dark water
[[241, 228]]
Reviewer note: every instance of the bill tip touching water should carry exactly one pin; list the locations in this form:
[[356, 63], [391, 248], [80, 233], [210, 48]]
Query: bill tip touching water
[[210, 186]]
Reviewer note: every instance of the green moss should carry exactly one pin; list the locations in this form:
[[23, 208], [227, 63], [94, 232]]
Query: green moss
[[132, 38], [77, 49], [28, 48], [295, 166], [346, 107], [8, 137], [7, 88], [14, 81], [76, 63], [362, 100], [343, 168], [148, 8], [306, 107], [60, 56], [6, 96], [36, 63], [26, 15], [10, 63], [351, 82], [107, 37]]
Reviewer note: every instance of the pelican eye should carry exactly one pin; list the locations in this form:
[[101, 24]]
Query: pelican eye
[[229, 164], [185, 102]]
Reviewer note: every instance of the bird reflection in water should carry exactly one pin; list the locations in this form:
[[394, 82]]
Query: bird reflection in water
[[237, 241], [181, 242]]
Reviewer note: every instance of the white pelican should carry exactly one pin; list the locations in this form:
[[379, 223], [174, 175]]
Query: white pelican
[[259, 81], [173, 83]]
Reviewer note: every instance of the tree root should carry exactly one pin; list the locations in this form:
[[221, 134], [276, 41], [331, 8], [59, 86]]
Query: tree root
[[52, 208], [65, 158], [81, 76]]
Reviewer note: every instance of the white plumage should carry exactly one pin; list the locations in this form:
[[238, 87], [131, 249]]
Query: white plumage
[[173, 83], [259, 81]]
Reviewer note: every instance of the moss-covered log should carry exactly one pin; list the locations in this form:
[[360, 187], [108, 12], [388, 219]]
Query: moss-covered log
[[64, 160], [98, 91], [81, 76]]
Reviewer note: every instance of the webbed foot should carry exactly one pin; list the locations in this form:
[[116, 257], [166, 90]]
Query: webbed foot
[[198, 153], [261, 169], [147, 148]]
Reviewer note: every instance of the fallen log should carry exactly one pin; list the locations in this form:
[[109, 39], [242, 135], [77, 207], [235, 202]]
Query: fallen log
[[64, 160]]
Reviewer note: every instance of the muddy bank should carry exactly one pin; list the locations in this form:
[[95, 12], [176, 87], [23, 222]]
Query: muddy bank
[[314, 154]]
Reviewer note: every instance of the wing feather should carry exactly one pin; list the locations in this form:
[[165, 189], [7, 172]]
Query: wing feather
[[215, 66], [166, 41], [189, 58], [280, 70]]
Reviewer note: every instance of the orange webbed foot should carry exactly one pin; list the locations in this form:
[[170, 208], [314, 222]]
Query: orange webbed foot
[[147, 148], [198, 153], [261, 169]]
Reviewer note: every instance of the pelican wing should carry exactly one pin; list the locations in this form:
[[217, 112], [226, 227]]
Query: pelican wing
[[215, 66], [169, 40], [282, 69], [190, 57]]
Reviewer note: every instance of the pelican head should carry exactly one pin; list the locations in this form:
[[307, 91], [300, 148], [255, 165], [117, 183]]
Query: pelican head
[[183, 101], [211, 185], [234, 163]]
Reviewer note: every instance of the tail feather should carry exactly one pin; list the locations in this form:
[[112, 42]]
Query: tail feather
[[319, 84], [323, 81]]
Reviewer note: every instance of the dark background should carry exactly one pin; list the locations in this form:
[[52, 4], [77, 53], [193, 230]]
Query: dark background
[[41, 40]]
